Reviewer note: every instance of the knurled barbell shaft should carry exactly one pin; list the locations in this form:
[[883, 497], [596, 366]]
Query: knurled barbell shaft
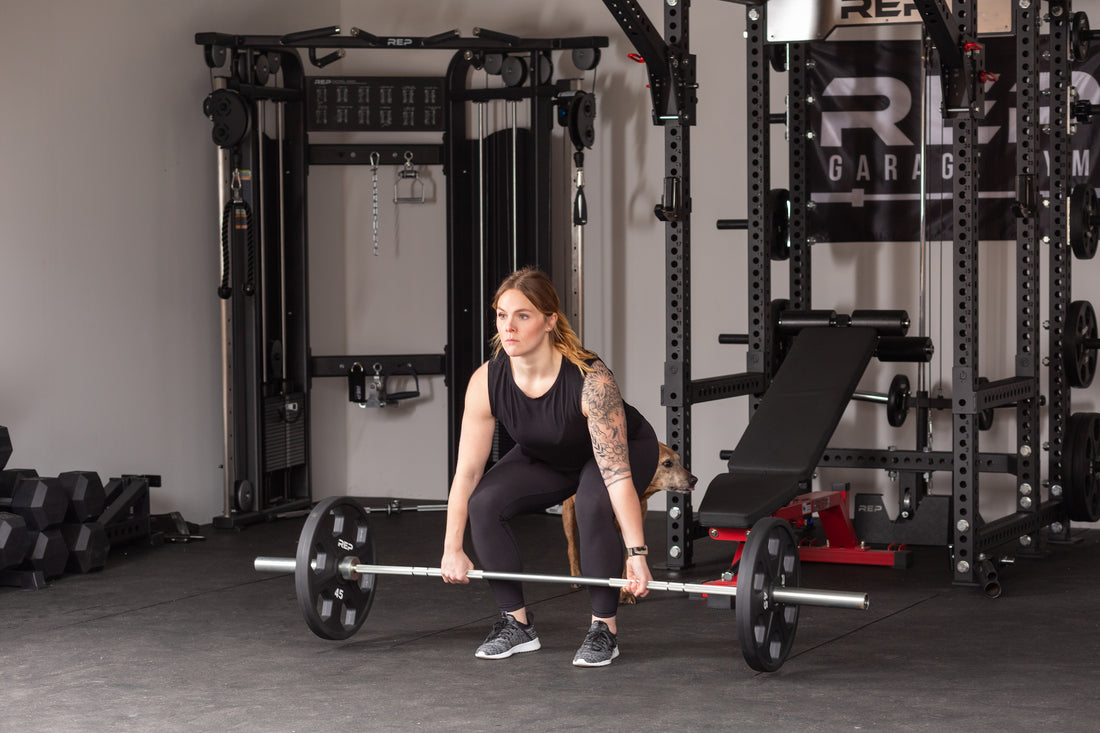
[[798, 596]]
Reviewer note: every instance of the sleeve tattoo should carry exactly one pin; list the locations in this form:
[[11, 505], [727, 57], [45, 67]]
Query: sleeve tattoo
[[606, 423]]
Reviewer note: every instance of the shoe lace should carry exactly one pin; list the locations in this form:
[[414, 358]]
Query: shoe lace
[[599, 640], [499, 627]]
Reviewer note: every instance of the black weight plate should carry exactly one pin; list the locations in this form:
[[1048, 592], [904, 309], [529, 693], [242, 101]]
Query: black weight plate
[[586, 59], [1079, 36], [765, 628], [779, 200], [513, 71], [1082, 232], [334, 607], [897, 401], [1080, 361], [246, 496], [1080, 484]]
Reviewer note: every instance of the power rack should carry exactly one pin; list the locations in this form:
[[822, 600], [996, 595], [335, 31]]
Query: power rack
[[776, 228]]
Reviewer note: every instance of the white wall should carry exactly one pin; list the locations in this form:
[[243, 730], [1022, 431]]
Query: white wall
[[109, 354]]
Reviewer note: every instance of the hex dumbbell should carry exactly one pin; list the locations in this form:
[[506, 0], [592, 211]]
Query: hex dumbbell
[[14, 539], [42, 502], [87, 497]]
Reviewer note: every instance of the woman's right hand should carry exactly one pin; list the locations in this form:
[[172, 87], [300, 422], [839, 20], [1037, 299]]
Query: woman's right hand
[[454, 566]]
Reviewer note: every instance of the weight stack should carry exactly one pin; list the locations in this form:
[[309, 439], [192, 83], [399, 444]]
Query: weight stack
[[285, 421]]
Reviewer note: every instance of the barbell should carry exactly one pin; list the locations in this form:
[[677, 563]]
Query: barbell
[[335, 589]]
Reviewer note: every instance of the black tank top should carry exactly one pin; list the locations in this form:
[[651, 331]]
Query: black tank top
[[550, 428]]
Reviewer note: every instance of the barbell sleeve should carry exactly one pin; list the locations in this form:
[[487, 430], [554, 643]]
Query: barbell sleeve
[[799, 596], [275, 564]]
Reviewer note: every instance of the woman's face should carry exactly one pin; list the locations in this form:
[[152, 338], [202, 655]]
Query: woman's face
[[521, 327]]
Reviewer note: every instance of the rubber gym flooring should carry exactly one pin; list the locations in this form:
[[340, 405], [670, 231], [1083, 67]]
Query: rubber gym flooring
[[189, 637]]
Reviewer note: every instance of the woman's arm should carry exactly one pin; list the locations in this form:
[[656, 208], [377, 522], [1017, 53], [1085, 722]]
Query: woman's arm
[[603, 406], [474, 444]]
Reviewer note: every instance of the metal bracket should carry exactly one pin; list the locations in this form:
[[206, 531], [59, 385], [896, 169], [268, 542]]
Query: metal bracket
[[962, 61], [671, 69]]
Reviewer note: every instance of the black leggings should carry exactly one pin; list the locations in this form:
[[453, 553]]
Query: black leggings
[[519, 485]]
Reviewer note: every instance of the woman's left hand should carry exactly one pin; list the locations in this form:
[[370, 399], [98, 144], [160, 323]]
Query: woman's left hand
[[638, 575]]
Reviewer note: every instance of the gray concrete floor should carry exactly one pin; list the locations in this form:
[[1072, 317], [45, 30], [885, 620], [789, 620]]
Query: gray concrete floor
[[188, 637]]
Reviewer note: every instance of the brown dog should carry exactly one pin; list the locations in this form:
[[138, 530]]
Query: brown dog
[[670, 476]]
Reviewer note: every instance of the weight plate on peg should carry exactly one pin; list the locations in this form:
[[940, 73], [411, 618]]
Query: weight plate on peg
[[1079, 36], [1083, 233], [897, 401], [246, 496], [334, 606], [766, 628], [1077, 353], [1081, 486]]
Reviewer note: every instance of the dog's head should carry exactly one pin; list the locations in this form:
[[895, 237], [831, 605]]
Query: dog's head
[[670, 476]]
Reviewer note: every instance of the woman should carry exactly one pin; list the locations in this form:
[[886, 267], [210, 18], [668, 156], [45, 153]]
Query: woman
[[574, 435]]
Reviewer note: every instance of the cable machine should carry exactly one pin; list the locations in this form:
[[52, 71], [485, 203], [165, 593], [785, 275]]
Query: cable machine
[[263, 108]]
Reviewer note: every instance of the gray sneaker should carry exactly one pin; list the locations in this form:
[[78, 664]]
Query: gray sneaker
[[509, 637], [599, 647]]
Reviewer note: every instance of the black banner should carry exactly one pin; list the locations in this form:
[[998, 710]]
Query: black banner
[[863, 162]]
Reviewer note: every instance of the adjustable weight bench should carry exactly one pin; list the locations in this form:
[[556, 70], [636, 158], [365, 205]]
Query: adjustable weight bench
[[786, 437], [791, 427]]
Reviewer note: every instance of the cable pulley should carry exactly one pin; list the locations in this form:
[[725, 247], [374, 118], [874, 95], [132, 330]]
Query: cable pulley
[[229, 113]]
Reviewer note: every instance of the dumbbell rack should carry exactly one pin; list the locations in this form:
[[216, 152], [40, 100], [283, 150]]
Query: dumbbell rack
[[972, 539]]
